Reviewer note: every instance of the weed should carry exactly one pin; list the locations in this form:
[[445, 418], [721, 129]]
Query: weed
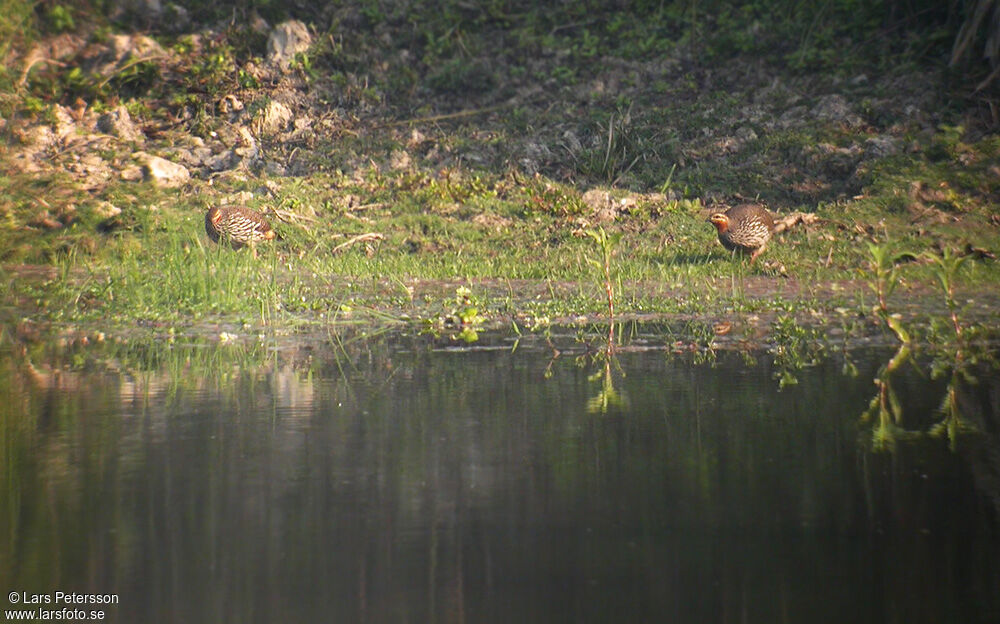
[[606, 244], [946, 267], [622, 147], [608, 398], [883, 281], [794, 346]]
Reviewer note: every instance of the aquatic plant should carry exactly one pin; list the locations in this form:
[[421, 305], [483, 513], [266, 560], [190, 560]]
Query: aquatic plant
[[460, 314], [883, 281], [794, 346], [945, 268], [885, 409], [608, 398], [606, 244]]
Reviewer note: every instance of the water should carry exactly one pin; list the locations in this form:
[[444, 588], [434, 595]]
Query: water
[[404, 479]]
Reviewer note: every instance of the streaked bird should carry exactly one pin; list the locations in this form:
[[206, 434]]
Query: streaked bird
[[237, 226], [745, 228]]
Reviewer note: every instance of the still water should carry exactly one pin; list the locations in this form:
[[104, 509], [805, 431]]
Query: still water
[[403, 479]]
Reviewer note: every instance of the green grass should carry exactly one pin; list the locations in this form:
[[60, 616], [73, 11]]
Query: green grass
[[160, 265], [465, 211]]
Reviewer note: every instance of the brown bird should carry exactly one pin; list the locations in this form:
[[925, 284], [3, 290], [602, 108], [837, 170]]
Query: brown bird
[[745, 228], [237, 226]]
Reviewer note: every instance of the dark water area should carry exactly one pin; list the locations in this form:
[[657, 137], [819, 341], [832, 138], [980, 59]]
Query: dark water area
[[405, 479]]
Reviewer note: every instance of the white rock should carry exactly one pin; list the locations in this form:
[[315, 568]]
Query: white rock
[[275, 118], [162, 172], [119, 123], [285, 41]]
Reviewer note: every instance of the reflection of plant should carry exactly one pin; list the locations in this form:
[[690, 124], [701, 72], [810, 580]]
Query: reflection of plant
[[607, 398], [946, 267], [885, 408], [794, 347], [952, 425]]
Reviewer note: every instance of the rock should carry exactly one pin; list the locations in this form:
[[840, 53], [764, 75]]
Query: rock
[[230, 105], [836, 162], [275, 118], [142, 10], [746, 133], [124, 49], [162, 172], [247, 148], [285, 41], [39, 137], [276, 169], [572, 142], [106, 210], [794, 116], [535, 153], [239, 198], [834, 108], [399, 160], [418, 140], [222, 161], [176, 18], [192, 157], [65, 126], [881, 147], [172, 17], [131, 174], [119, 123], [257, 23], [600, 203]]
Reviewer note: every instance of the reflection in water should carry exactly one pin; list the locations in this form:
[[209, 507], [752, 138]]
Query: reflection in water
[[401, 479]]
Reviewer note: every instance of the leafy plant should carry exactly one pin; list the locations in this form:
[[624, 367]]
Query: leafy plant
[[617, 147], [883, 281], [946, 267], [59, 18], [606, 244]]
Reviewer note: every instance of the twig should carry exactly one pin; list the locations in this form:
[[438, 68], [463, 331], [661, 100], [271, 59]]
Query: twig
[[805, 218], [351, 215], [465, 113], [360, 238], [131, 63], [571, 25], [982, 85], [290, 217], [32, 61]]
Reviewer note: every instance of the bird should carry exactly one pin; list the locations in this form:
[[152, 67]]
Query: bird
[[237, 225], [744, 228]]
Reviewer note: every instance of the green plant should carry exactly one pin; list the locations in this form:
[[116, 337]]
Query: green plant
[[608, 398], [794, 346], [59, 18], [623, 145], [945, 268], [606, 244], [883, 281]]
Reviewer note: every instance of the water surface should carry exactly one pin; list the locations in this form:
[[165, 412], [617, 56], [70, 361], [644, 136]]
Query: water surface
[[404, 479]]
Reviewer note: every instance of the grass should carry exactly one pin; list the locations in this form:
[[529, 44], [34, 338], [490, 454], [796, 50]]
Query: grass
[[160, 264], [491, 196]]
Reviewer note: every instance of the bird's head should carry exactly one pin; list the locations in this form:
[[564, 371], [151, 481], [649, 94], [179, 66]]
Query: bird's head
[[214, 215], [720, 221]]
